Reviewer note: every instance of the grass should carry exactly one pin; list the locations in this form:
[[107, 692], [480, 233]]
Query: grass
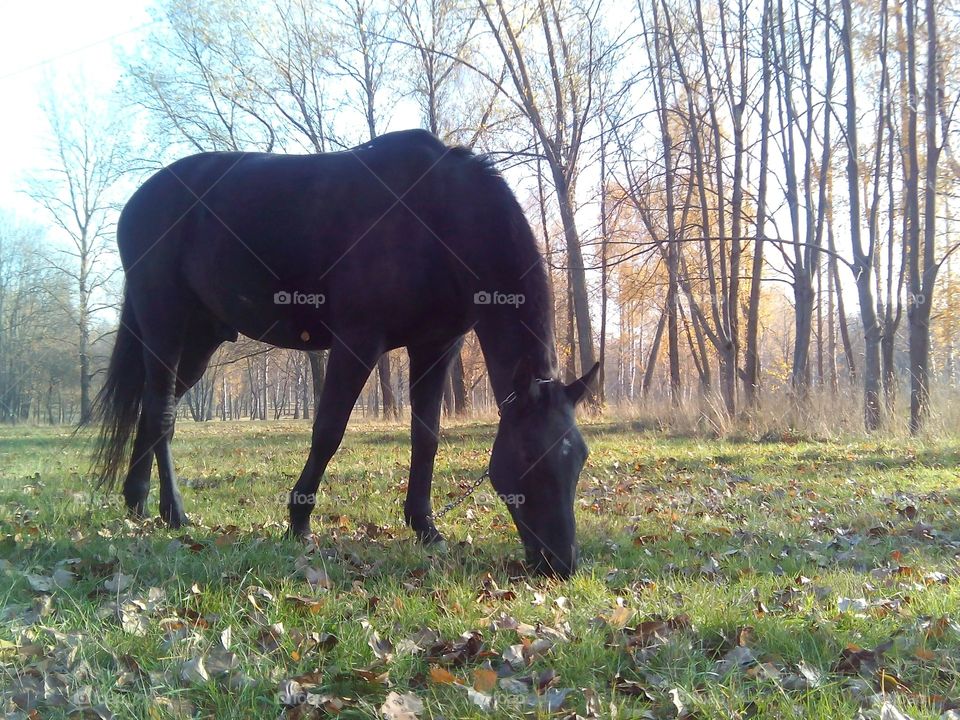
[[719, 578]]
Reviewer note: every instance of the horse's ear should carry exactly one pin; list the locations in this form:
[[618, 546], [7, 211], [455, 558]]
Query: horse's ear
[[525, 383], [578, 388]]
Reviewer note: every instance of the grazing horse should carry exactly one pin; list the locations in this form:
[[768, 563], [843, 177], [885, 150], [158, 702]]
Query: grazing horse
[[401, 242]]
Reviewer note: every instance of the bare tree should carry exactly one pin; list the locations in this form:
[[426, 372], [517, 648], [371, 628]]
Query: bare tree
[[34, 369], [922, 253], [752, 352], [78, 192], [862, 257], [553, 53]]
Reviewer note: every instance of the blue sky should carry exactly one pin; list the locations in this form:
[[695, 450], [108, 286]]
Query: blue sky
[[47, 43]]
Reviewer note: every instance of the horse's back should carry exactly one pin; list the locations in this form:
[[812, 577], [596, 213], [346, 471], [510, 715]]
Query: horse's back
[[358, 228], [253, 189]]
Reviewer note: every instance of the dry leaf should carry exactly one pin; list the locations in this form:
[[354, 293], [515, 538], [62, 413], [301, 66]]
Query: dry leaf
[[40, 583], [382, 649], [441, 676], [193, 671], [481, 700], [291, 693], [401, 707], [484, 680], [317, 578], [118, 582]]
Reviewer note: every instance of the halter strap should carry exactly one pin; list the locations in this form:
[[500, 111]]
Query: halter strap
[[513, 395]]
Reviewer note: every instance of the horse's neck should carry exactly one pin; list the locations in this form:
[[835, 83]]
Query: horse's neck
[[511, 335]]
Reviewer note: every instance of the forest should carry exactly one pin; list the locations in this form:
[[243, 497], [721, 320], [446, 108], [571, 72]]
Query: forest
[[746, 206]]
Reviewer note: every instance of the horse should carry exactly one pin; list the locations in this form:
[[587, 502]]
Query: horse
[[400, 242]]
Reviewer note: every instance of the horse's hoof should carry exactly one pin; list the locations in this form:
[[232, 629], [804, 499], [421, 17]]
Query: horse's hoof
[[175, 519], [438, 547], [430, 536], [137, 511], [299, 532]]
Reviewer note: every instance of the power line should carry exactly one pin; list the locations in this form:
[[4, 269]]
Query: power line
[[74, 51]]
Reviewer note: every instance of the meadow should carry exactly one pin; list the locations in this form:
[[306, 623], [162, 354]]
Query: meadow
[[781, 577]]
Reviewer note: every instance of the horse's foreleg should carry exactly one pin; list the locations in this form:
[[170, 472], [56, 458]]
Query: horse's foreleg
[[348, 368], [428, 373]]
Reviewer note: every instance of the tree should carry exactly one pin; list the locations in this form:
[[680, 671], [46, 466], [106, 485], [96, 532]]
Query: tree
[[862, 257], [922, 253], [28, 324], [88, 158], [752, 351], [553, 62]]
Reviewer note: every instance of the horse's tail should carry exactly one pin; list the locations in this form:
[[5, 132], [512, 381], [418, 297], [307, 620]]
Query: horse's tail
[[117, 406]]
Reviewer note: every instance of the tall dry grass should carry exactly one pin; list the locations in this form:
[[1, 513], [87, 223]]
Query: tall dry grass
[[782, 416]]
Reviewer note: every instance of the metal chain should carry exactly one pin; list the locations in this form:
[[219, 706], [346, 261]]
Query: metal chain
[[457, 502]]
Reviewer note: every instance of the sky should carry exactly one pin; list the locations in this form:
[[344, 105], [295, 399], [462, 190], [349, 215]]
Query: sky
[[46, 43]]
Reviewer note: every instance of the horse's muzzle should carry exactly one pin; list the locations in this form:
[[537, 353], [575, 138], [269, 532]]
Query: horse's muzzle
[[545, 562]]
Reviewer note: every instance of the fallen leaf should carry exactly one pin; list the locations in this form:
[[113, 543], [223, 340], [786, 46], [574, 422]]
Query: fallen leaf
[[269, 638], [401, 707], [193, 671], [551, 701], [382, 649], [175, 707], [300, 602], [481, 700], [118, 582], [484, 680], [40, 583], [317, 578], [441, 675]]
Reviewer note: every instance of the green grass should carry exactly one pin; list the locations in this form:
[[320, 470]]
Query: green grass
[[716, 535]]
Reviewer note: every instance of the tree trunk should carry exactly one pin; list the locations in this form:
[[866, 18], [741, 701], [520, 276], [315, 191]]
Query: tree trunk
[[458, 379], [576, 272], [803, 324], [919, 318], [389, 400], [570, 362], [318, 371], [863, 262], [654, 352], [601, 380], [752, 354]]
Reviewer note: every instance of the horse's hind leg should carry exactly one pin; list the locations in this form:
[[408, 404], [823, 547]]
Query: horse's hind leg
[[428, 372], [348, 368], [162, 347], [136, 487], [193, 363]]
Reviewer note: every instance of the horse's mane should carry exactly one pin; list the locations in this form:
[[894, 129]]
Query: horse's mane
[[520, 245]]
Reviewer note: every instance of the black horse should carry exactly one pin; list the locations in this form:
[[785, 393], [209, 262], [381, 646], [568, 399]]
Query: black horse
[[402, 242]]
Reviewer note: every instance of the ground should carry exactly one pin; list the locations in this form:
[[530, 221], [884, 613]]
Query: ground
[[783, 578]]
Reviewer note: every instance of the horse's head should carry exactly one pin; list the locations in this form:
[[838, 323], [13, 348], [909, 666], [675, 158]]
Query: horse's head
[[536, 460]]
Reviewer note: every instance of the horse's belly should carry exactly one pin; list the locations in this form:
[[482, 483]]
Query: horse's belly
[[388, 297]]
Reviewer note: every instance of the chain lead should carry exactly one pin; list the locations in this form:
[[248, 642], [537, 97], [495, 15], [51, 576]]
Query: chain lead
[[457, 502]]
